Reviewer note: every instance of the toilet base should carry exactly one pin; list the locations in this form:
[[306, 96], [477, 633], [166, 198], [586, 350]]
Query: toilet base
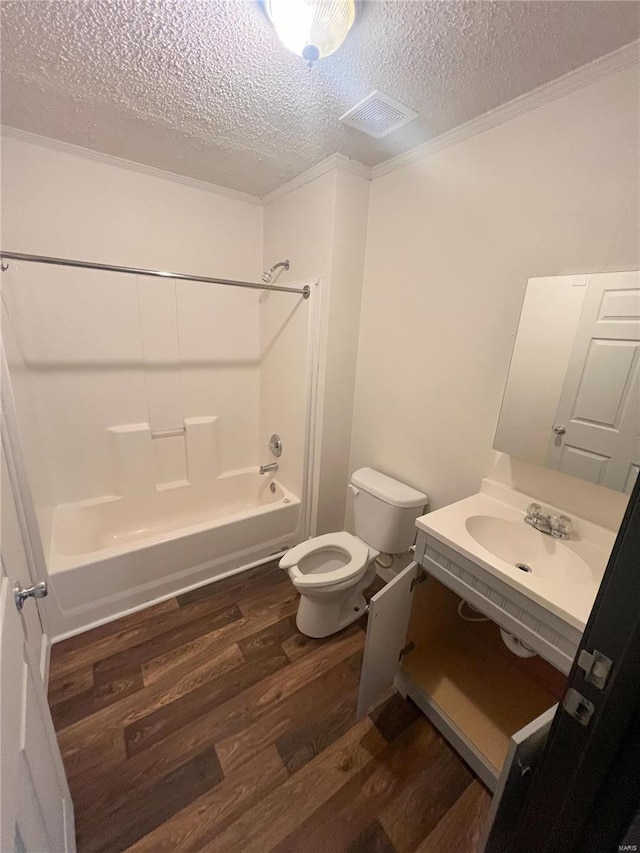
[[320, 615]]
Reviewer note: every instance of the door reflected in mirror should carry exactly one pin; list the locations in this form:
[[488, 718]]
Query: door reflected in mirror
[[572, 398]]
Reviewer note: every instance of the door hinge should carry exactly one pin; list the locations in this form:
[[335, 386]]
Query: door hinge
[[596, 666], [578, 707], [420, 577], [405, 651]]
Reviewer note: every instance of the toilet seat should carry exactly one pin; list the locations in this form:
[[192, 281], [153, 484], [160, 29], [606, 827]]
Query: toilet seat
[[350, 546]]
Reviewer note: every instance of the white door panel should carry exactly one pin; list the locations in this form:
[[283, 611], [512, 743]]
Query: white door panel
[[36, 813], [38, 748], [387, 625], [11, 703], [32, 835], [524, 749], [599, 407], [23, 498], [14, 556]]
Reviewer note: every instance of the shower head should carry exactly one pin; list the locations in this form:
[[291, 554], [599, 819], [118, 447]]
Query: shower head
[[267, 275]]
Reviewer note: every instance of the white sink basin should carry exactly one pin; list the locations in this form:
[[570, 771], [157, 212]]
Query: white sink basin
[[489, 529], [529, 550]]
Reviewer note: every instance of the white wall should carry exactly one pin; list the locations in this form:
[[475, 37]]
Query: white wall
[[321, 228], [105, 349], [297, 226], [452, 240], [58, 203], [340, 348]]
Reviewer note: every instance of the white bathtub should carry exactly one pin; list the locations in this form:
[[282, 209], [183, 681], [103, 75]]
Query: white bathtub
[[112, 555]]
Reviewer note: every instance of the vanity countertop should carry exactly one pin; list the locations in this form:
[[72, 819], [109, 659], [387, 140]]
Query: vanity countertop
[[565, 574]]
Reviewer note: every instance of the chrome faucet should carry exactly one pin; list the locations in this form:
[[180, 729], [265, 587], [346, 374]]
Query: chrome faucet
[[559, 526], [271, 466]]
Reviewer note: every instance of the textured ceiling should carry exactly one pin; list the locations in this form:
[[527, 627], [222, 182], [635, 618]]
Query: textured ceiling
[[204, 89]]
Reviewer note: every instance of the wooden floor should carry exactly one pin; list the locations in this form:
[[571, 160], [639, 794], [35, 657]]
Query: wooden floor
[[207, 722]]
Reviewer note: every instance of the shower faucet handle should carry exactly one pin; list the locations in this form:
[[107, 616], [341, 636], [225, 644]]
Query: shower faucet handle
[[275, 445]]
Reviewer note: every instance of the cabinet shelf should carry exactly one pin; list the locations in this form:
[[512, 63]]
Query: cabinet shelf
[[469, 677]]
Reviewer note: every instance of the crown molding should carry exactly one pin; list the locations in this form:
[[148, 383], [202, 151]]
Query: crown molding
[[612, 63], [122, 163], [334, 161], [337, 162]]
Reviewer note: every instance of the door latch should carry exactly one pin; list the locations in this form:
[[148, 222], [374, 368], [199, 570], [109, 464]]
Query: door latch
[[578, 707], [596, 666]]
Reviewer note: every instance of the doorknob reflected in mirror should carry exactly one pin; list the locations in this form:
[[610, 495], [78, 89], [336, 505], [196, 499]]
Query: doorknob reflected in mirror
[[21, 593], [559, 429]]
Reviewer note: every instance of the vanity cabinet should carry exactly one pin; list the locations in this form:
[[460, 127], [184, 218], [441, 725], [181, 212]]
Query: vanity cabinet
[[494, 708], [554, 639]]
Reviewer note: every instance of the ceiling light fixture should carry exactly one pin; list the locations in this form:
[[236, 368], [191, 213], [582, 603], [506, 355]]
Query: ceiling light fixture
[[311, 28]]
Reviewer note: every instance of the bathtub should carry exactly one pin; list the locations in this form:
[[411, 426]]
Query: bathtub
[[112, 555]]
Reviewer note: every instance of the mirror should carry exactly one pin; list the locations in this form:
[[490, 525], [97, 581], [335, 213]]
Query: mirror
[[572, 398]]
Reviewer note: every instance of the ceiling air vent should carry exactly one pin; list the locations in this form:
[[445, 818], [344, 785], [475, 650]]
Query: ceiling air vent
[[378, 115]]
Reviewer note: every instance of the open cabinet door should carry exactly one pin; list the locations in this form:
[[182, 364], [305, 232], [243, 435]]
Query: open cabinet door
[[594, 729], [525, 749], [387, 625]]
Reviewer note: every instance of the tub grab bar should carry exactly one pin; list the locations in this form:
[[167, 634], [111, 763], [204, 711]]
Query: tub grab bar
[[167, 433]]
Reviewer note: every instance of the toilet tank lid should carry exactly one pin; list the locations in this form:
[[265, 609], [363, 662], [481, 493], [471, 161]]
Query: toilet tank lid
[[387, 489]]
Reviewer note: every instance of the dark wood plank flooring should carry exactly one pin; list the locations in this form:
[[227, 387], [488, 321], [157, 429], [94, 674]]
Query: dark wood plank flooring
[[207, 722]]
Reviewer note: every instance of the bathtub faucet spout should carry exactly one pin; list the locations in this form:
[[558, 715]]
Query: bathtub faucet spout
[[272, 466]]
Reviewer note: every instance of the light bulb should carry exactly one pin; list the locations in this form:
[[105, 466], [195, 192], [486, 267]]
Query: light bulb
[[312, 29]]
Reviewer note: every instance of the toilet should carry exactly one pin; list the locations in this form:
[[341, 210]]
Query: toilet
[[331, 571]]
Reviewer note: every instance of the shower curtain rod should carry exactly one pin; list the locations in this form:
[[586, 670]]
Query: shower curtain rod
[[87, 265]]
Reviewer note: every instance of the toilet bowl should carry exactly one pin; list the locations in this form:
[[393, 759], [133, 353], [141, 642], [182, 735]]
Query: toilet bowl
[[332, 571]]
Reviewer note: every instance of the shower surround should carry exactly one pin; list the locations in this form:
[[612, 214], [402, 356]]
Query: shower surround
[[147, 399]]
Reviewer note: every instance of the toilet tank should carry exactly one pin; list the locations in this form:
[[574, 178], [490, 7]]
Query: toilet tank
[[385, 510]]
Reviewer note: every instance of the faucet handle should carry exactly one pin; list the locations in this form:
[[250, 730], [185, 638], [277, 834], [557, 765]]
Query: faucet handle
[[534, 510], [562, 525]]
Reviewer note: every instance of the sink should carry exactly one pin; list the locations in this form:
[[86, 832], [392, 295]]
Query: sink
[[529, 550], [497, 549]]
